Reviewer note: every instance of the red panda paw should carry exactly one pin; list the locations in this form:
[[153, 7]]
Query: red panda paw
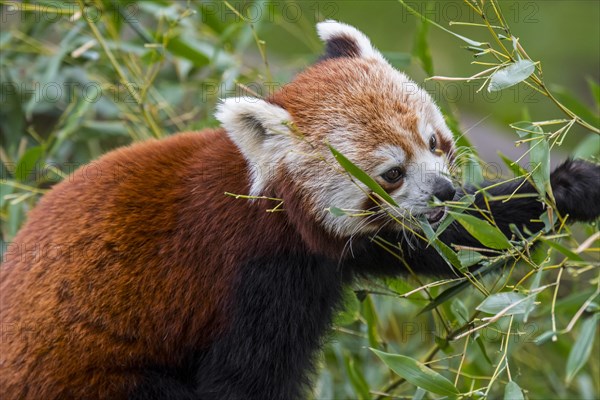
[[576, 188]]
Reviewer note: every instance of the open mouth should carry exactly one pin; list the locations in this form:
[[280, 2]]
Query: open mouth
[[436, 215]]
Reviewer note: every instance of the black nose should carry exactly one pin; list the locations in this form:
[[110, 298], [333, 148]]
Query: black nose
[[443, 189]]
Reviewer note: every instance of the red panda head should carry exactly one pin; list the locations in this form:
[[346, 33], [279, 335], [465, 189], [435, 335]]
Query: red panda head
[[355, 101]]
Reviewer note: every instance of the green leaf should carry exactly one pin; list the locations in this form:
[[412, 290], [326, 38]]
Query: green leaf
[[465, 39], [16, 215], [421, 47], [370, 315], [459, 206], [419, 394], [338, 212], [460, 311], [481, 346], [544, 337], [469, 257], [583, 347], [595, 89], [12, 122], [362, 176], [511, 75], [562, 249], [398, 285], [417, 373], [512, 391], [577, 106], [523, 128], [5, 190], [73, 119], [516, 169], [588, 148], [593, 307], [539, 158], [459, 287], [499, 301], [472, 172], [548, 225], [101, 129], [28, 163], [351, 309], [530, 302], [539, 155], [481, 230], [446, 252], [357, 379], [190, 50], [446, 295]]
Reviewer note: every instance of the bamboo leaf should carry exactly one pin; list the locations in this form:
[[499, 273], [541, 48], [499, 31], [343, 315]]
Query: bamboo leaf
[[421, 47], [511, 75], [512, 391], [530, 302], [481, 346], [500, 301], [465, 39], [190, 50], [357, 379], [446, 252], [460, 311], [472, 171], [28, 163], [338, 212], [562, 249], [459, 287], [417, 373], [362, 176], [539, 158], [516, 169], [544, 337], [469, 257], [583, 347], [370, 315], [481, 230], [589, 147], [595, 89], [577, 106], [351, 310]]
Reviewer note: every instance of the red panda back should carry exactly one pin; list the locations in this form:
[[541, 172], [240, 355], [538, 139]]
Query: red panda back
[[101, 279]]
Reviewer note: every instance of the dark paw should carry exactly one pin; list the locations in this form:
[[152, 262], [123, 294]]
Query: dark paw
[[576, 187]]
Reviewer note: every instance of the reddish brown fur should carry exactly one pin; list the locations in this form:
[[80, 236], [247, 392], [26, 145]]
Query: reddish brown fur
[[356, 89], [84, 333]]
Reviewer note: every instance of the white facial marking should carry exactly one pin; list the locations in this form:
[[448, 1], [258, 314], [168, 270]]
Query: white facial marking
[[260, 130], [393, 156]]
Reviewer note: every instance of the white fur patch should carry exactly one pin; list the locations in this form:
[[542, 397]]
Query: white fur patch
[[260, 130], [331, 29]]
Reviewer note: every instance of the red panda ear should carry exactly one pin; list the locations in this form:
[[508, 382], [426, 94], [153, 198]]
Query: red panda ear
[[343, 40], [261, 132]]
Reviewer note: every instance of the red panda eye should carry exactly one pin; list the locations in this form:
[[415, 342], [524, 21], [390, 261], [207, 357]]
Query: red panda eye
[[432, 143], [393, 175]]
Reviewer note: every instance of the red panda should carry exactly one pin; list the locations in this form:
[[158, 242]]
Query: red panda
[[148, 282]]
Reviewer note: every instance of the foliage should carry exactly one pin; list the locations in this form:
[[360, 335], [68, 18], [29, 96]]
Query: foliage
[[79, 79], [478, 366]]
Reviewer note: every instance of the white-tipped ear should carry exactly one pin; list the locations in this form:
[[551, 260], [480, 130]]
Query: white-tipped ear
[[261, 131], [342, 40]]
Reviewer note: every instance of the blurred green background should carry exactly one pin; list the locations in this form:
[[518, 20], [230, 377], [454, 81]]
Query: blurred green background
[[71, 90]]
